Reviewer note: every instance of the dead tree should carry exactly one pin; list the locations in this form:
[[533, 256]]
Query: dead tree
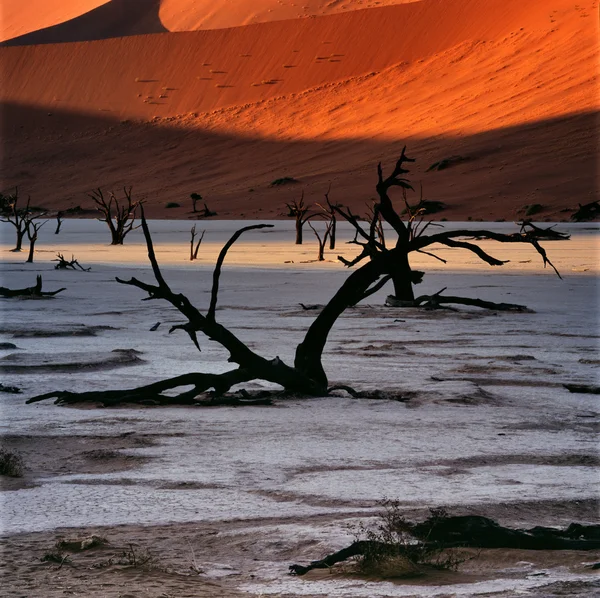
[[32, 229], [371, 216], [322, 240], [65, 264], [194, 249], [16, 216], [299, 211], [206, 213], [196, 197], [119, 216], [307, 375], [330, 213], [59, 221], [31, 292], [392, 263]]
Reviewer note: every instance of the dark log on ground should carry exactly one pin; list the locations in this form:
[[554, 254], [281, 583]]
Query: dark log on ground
[[35, 291], [437, 301], [152, 394], [583, 388], [467, 532], [542, 234], [65, 264]]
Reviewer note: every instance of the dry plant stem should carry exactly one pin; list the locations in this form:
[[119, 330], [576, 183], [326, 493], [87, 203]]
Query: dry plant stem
[[194, 249]]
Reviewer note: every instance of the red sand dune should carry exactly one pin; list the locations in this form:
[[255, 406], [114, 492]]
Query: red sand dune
[[512, 87]]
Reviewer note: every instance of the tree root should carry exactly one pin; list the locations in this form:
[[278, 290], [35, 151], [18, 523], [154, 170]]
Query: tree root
[[467, 531], [32, 292], [152, 394], [437, 301]]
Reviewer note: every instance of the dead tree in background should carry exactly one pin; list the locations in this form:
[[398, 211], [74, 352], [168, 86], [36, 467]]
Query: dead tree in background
[[322, 241], [196, 197], [16, 216], [331, 215], [119, 216], [299, 211], [194, 249], [32, 229], [206, 213], [59, 221], [307, 375], [393, 263]]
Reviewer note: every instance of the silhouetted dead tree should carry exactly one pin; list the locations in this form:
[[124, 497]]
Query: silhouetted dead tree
[[16, 216], [299, 211], [206, 213], [196, 197], [59, 221], [330, 213], [392, 263], [322, 241], [32, 229], [307, 375], [195, 248], [118, 215], [32, 292]]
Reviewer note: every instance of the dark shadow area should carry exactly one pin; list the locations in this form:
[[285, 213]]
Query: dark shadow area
[[59, 158], [118, 18]]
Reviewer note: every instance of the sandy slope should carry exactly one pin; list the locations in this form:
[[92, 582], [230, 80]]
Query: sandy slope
[[513, 88], [62, 21]]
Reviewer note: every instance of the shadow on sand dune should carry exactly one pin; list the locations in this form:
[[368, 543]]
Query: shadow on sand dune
[[57, 158], [117, 18]]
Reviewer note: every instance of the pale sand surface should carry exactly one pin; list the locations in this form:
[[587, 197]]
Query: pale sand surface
[[240, 494]]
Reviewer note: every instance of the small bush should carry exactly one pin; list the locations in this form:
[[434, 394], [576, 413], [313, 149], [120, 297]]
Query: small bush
[[534, 208], [395, 552], [173, 204], [286, 180], [11, 464]]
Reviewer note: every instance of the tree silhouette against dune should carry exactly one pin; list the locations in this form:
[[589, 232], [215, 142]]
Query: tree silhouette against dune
[[307, 375]]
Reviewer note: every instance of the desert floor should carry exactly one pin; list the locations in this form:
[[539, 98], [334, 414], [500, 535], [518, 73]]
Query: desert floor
[[223, 500]]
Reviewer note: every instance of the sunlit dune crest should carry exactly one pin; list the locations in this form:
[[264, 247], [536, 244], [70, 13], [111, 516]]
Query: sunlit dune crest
[[512, 88]]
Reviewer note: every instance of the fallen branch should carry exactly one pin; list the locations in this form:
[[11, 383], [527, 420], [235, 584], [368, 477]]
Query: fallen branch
[[467, 531], [31, 292], [436, 301]]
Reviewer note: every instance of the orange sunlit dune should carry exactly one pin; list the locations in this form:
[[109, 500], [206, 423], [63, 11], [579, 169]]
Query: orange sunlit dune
[[512, 89]]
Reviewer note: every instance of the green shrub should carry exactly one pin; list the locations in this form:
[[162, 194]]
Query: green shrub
[[286, 180]]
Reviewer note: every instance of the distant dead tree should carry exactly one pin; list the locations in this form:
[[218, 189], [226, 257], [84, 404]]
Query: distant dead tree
[[65, 264], [194, 249], [307, 375], [298, 210], [18, 217], [322, 240], [59, 221], [32, 229], [196, 197], [118, 215], [206, 213], [330, 213]]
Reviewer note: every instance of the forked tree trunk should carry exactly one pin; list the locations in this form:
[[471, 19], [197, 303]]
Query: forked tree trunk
[[20, 236]]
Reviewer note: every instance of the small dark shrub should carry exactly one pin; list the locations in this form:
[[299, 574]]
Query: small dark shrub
[[173, 204], [286, 180], [534, 208], [11, 464]]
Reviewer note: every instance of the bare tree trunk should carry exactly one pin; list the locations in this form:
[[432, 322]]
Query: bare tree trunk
[[20, 235]]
